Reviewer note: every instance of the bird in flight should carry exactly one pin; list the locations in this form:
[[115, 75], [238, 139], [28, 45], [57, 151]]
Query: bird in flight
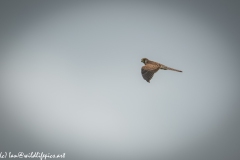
[[152, 67]]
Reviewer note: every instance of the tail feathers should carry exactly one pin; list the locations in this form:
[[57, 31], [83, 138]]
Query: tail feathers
[[168, 68]]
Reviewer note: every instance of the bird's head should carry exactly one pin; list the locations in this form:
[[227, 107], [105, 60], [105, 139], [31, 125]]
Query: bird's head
[[144, 60]]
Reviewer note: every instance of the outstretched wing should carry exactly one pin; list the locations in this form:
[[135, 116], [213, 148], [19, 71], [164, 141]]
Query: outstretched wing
[[148, 71]]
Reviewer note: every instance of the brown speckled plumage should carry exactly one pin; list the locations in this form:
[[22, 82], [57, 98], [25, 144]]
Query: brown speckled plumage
[[152, 67]]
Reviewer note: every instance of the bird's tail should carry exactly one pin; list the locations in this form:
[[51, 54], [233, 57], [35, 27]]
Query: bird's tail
[[168, 68]]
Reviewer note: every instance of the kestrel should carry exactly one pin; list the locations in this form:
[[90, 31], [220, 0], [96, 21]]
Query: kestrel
[[152, 67]]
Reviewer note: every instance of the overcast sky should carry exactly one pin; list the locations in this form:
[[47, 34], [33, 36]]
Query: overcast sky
[[71, 79]]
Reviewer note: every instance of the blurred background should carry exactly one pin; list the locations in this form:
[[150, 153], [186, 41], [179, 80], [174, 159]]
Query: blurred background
[[71, 79]]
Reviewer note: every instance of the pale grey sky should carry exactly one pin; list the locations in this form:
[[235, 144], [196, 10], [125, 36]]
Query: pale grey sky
[[71, 80]]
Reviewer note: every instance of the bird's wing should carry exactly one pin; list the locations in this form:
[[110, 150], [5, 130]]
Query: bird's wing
[[148, 71]]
